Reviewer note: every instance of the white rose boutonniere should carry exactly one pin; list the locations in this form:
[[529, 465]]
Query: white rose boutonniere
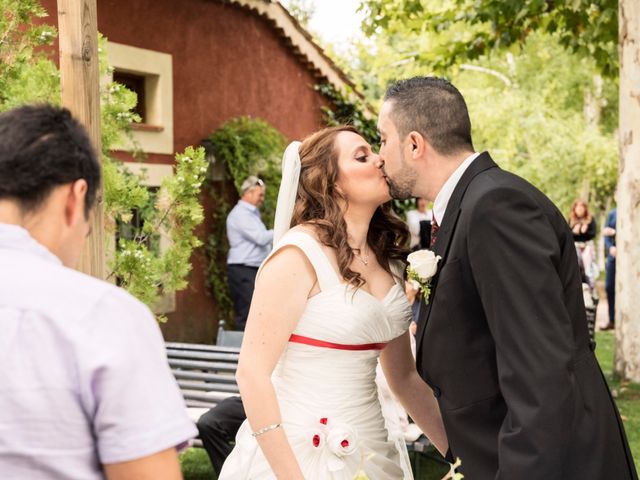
[[423, 265]]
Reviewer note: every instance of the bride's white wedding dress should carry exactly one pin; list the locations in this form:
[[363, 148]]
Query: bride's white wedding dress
[[325, 383]]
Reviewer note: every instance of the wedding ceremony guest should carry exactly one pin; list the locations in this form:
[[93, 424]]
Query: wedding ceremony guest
[[415, 219], [581, 222], [85, 390], [218, 427], [583, 228], [609, 234], [249, 244]]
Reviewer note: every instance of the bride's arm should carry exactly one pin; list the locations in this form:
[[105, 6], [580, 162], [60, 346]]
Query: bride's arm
[[280, 295], [413, 393]]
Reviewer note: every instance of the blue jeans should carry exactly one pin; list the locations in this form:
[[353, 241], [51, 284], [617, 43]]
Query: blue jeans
[[610, 287]]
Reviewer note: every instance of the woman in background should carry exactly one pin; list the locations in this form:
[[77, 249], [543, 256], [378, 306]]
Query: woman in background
[[583, 226]]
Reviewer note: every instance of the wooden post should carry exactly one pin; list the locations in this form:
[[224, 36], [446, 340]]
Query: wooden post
[[80, 82]]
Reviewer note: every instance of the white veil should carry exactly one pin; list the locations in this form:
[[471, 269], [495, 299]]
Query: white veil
[[288, 191]]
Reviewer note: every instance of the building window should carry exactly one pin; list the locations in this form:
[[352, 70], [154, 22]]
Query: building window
[[150, 75], [135, 83], [129, 230]]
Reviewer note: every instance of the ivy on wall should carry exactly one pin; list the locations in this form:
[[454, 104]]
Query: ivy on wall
[[245, 146]]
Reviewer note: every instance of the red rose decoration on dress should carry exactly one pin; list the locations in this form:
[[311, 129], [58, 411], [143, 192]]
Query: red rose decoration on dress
[[340, 439]]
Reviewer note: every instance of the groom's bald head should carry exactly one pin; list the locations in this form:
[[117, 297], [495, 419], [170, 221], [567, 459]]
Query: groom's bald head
[[433, 107]]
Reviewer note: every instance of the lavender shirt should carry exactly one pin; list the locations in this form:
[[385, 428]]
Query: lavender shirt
[[84, 379]]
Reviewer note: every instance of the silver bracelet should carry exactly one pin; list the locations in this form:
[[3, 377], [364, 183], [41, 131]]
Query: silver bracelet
[[266, 429]]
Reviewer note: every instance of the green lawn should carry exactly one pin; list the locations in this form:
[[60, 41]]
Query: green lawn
[[196, 466], [627, 395]]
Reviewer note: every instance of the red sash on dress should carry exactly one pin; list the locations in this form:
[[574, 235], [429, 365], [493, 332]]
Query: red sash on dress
[[336, 346]]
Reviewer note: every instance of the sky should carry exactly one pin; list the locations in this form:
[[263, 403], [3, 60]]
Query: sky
[[335, 21]]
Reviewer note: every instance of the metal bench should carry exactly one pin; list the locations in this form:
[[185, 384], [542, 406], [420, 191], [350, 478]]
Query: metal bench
[[205, 375]]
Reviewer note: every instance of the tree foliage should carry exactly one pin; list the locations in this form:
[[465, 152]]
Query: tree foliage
[[474, 27], [527, 101], [140, 265], [26, 74], [301, 10], [536, 126]]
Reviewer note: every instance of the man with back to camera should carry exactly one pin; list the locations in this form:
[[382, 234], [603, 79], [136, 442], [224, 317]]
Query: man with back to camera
[[85, 389]]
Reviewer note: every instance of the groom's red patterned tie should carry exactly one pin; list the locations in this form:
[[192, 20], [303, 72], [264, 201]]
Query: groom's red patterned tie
[[434, 231]]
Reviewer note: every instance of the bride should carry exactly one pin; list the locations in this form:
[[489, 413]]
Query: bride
[[328, 301]]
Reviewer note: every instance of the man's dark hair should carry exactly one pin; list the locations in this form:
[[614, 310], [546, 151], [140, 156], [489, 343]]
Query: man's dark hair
[[433, 107], [42, 147]]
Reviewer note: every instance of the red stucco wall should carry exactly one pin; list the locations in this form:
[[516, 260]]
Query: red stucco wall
[[227, 61]]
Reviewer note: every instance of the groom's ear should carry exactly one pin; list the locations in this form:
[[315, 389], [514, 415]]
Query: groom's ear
[[417, 143]]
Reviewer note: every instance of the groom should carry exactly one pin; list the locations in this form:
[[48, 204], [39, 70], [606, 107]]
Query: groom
[[503, 341]]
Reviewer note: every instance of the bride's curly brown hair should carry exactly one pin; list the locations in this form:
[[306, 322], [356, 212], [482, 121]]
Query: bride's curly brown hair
[[320, 204]]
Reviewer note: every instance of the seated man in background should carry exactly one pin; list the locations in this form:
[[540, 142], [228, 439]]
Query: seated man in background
[[85, 388], [218, 427]]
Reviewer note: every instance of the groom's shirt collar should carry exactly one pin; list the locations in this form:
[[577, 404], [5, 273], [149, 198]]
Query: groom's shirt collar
[[442, 199]]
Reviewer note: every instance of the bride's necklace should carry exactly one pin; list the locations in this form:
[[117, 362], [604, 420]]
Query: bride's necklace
[[363, 258]]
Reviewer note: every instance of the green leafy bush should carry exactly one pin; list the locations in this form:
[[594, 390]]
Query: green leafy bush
[[141, 267]]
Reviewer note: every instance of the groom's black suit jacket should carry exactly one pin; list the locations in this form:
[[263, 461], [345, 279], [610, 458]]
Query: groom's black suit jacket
[[504, 345]]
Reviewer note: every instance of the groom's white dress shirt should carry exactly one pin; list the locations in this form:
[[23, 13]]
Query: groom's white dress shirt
[[84, 379], [442, 199]]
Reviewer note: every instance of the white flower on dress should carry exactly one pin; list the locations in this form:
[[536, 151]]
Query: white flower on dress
[[339, 440]]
